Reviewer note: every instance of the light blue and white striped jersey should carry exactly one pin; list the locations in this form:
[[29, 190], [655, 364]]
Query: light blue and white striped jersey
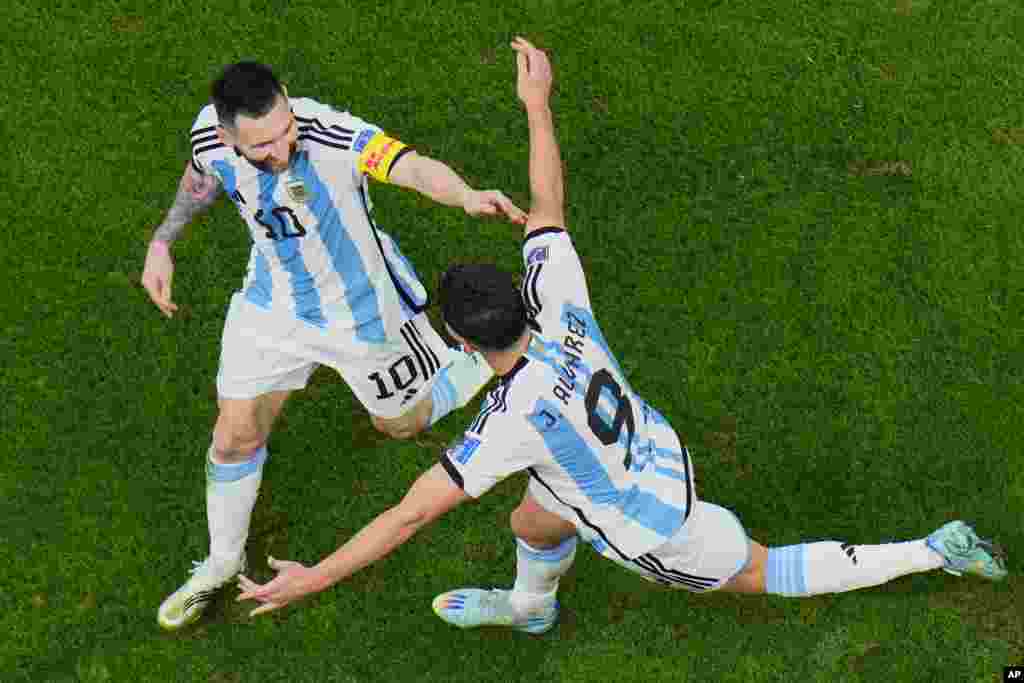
[[316, 252], [567, 415]]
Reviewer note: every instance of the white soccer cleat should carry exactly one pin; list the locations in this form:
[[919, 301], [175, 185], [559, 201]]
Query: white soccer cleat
[[473, 607], [186, 605]]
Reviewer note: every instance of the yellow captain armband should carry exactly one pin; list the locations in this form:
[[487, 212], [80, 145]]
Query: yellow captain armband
[[377, 152]]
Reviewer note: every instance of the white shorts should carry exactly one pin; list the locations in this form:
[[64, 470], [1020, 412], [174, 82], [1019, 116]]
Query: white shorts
[[264, 350], [709, 549]]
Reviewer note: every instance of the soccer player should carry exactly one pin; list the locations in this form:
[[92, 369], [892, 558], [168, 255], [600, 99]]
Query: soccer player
[[324, 286], [604, 465]]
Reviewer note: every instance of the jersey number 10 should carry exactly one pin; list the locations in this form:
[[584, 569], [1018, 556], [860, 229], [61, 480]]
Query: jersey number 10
[[288, 224]]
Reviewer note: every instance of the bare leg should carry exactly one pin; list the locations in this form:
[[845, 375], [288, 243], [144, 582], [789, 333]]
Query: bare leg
[[235, 470]]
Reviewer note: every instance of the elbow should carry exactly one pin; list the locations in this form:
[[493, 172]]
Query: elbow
[[411, 519]]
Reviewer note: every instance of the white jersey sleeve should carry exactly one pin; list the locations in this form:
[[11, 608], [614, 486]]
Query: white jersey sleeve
[[374, 152], [496, 445], [554, 276], [204, 139]]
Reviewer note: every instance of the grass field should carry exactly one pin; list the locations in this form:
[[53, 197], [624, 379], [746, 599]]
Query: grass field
[[801, 220]]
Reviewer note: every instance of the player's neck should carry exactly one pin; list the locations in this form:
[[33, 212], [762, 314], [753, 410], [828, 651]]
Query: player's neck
[[502, 362]]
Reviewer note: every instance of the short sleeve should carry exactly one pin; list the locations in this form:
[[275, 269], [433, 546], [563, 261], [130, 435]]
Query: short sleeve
[[204, 140], [477, 462], [554, 275]]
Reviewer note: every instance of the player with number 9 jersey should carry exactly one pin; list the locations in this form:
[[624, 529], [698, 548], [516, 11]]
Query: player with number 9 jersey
[[603, 464], [567, 414]]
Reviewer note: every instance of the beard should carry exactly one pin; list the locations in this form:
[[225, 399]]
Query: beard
[[266, 166]]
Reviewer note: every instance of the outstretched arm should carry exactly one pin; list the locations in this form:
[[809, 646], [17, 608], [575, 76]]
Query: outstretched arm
[[547, 192], [195, 194], [432, 495], [439, 182]]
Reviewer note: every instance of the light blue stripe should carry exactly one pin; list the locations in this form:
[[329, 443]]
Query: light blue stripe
[[583, 373], [259, 290], [227, 177], [670, 473], [651, 511], [550, 555], [594, 333], [574, 456], [772, 572], [642, 455], [289, 253], [799, 581], [261, 286], [221, 472], [443, 396], [784, 574], [359, 293]]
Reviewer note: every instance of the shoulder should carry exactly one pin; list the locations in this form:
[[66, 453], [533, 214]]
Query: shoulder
[[205, 121], [313, 113], [203, 135], [205, 143], [324, 126], [503, 406]]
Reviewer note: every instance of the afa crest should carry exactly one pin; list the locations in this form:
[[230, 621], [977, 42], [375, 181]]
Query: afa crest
[[297, 190]]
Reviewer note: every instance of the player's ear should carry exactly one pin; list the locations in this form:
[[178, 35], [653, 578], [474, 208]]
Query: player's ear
[[225, 136]]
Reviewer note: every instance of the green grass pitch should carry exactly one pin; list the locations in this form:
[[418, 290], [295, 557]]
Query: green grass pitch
[[801, 220]]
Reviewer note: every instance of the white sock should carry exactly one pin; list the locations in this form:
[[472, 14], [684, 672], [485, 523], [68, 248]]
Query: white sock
[[231, 492], [538, 572], [834, 567], [458, 382]]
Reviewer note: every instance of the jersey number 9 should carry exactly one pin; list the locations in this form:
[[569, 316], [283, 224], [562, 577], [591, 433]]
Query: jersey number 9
[[609, 433]]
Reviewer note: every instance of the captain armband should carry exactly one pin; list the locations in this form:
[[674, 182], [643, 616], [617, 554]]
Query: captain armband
[[377, 153]]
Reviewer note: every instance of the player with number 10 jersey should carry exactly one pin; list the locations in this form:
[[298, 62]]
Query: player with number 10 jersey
[[316, 252]]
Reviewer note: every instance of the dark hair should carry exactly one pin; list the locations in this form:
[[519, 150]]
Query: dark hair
[[247, 88], [481, 303]]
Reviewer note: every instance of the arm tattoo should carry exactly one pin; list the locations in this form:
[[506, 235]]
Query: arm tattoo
[[186, 207]]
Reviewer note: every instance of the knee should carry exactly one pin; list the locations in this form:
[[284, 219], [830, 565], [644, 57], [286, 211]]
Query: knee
[[524, 527], [235, 442], [397, 428], [517, 524], [751, 579]]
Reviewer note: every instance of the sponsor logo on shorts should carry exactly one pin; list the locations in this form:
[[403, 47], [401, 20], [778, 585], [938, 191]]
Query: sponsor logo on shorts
[[537, 255]]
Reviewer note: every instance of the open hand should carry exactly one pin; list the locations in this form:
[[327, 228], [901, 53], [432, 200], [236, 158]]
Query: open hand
[[534, 74], [157, 275], [293, 582]]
